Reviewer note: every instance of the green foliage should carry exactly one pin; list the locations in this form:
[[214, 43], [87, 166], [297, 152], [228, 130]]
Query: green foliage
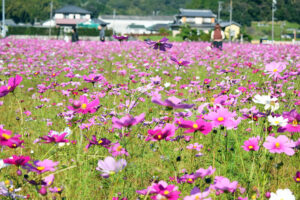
[[244, 11], [164, 31]]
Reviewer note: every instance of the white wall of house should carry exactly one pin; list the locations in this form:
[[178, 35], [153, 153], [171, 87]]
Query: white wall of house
[[199, 20], [121, 25], [71, 16]]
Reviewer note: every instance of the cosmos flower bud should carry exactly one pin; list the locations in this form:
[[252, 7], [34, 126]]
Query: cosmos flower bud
[[76, 104], [43, 191]]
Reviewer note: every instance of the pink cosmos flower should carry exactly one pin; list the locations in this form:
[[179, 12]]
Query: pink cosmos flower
[[199, 125], [42, 166], [172, 102], [180, 62], [195, 146], [13, 82], [117, 150], [275, 68], [198, 196], [84, 106], [6, 139], [17, 160], [224, 184], [281, 144], [205, 172], [127, 121], [251, 144], [92, 78], [54, 138], [159, 133], [110, 166], [161, 190], [222, 117]]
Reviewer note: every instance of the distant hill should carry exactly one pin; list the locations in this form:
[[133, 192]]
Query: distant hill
[[244, 11]]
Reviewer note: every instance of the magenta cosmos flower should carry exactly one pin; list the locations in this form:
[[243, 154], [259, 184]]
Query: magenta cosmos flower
[[297, 177], [54, 138], [92, 78], [13, 82], [110, 166], [293, 122], [281, 144], [159, 133], [222, 117], [120, 38], [6, 139], [251, 144], [117, 150], [180, 62], [84, 106], [161, 44], [199, 125], [17, 160], [172, 102], [127, 121], [161, 190]]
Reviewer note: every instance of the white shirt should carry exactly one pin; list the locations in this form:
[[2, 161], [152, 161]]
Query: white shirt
[[212, 35]]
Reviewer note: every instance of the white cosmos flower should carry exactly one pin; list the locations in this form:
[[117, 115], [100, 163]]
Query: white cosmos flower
[[267, 101], [278, 121], [167, 85], [2, 164], [281, 194]]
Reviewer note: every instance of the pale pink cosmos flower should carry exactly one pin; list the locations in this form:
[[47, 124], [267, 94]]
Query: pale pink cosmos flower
[[205, 172], [251, 144], [195, 146], [281, 144], [223, 117], [275, 68], [117, 150], [224, 184]]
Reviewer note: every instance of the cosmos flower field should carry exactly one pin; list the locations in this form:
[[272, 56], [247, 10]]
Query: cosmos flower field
[[156, 120]]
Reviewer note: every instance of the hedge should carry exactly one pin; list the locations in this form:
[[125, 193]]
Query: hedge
[[19, 30]]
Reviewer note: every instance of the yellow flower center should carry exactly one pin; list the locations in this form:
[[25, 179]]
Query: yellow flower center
[[276, 122], [159, 136], [295, 122], [166, 192], [11, 189], [180, 62], [7, 182], [220, 119], [100, 141], [119, 148], [253, 197], [53, 74], [272, 103], [58, 189], [14, 145], [298, 179], [190, 180], [195, 126], [277, 145], [194, 146], [212, 100], [92, 79], [8, 87], [40, 168], [250, 147], [179, 122], [7, 137], [275, 70], [197, 197], [83, 106]]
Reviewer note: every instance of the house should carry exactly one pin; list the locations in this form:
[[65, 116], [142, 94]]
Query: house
[[92, 23], [234, 28], [202, 20], [157, 27], [124, 24], [71, 15]]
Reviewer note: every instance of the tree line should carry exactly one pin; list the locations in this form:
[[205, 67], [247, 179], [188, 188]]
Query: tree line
[[244, 11]]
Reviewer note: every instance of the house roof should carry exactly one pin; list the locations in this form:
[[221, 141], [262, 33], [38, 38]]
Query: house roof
[[132, 17], [225, 24], [72, 9], [9, 22], [99, 21], [136, 26], [196, 13], [157, 27]]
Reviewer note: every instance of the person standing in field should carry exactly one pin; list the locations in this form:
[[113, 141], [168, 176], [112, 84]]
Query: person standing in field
[[102, 33], [217, 36], [74, 35]]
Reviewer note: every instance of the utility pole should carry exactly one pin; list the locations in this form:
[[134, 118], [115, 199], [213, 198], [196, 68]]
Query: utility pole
[[219, 11], [3, 19], [230, 21], [114, 17], [274, 2], [51, 8]]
